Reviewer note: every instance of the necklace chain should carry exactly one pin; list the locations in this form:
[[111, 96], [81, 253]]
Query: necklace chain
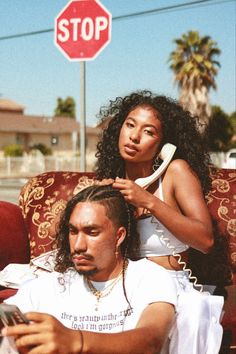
[[108, 289]]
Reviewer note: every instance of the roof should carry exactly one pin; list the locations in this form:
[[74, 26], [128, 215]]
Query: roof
[[10, 122], [9, 105]]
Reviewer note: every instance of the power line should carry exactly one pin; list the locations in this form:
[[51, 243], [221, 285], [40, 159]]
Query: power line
[[170, 8], [26, 34], [197, 3]]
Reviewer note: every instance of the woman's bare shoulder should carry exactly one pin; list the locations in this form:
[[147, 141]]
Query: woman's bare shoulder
[[179, 166], [179, 170]]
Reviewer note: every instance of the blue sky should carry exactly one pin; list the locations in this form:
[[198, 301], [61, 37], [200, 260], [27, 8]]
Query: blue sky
[[34, 72]]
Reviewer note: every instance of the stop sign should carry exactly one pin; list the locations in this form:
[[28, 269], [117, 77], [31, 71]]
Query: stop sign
[[82, 29]]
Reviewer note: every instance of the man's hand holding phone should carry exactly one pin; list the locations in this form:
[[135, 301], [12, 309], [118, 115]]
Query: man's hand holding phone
[[10, 315]]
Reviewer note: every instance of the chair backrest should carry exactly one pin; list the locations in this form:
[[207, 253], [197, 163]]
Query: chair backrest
[[222, 206], [42, 200], [44, 197]]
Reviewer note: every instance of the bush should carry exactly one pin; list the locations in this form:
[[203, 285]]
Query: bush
[[13, 150], [220, 130], [42, 148]]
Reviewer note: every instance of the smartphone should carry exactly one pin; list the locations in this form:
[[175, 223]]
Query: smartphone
[[11, 315]]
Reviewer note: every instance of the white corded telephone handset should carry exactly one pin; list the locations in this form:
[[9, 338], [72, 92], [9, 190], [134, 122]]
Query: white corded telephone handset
[[166, 154]]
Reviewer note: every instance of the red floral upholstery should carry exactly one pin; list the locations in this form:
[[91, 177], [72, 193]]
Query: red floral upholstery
[[44, 197], [14, 245], [42, 200], [222, 205]]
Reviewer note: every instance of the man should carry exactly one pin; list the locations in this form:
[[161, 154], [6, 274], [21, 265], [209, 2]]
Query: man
[[97, 300]]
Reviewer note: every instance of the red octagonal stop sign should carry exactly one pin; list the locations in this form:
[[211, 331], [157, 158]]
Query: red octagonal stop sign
[[82, 29]]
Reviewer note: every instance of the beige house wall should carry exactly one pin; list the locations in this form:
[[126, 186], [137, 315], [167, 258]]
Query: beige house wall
[[65, 141], [14, 120], [6, 139], [91, 142], [39, 139]]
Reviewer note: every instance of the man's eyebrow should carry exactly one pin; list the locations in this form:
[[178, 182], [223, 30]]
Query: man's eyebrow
[[91, 226], [87, 225], [72, 226]]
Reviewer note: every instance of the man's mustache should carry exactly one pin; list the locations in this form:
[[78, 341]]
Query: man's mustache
[[87, 256]]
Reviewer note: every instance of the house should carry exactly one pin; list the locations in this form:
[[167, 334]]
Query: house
[[60, 134]]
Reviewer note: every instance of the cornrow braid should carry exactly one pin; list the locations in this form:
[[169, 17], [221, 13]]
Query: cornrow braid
[[121, 213]]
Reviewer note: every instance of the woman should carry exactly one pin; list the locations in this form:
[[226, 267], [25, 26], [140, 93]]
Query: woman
[[172, 213]]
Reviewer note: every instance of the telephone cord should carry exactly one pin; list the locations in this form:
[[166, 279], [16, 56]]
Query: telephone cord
[[175, 254]]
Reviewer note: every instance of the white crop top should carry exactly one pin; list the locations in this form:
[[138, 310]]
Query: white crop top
[[152, 233]]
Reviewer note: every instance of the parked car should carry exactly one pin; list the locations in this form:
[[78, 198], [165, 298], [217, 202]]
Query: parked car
[[230, 159]]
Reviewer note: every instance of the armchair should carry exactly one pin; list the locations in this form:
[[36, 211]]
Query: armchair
[[27, 230]]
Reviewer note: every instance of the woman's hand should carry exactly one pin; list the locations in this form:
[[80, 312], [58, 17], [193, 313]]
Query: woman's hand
[[132, 192], [44, 335], [105, 181]]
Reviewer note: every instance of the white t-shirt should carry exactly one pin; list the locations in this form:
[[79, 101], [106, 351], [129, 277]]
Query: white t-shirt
[[68, 298]]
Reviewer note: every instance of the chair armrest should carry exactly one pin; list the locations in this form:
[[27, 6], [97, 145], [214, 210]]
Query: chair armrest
[[6, 293], [14, 243]]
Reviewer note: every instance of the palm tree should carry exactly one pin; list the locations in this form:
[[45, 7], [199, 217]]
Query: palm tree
[[195, 68]]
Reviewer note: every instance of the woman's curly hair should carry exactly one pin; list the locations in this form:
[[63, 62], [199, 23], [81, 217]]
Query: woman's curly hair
[[117, 210], [183, 130], [178, 125]]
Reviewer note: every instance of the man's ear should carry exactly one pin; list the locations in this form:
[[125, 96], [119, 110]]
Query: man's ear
[[120, 235]]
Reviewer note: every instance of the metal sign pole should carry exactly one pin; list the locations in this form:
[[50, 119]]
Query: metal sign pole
[[82, 116]]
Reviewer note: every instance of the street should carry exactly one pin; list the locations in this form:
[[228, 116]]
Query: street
[[10, 189]]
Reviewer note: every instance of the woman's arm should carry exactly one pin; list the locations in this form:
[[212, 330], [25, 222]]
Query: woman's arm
[[184, 211]]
